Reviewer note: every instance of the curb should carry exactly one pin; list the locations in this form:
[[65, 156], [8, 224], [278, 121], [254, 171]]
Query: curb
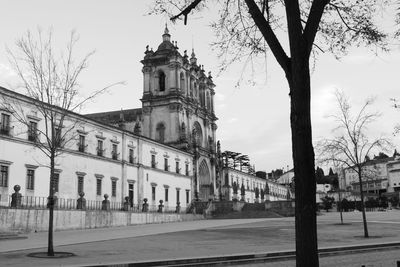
[[227, 260]]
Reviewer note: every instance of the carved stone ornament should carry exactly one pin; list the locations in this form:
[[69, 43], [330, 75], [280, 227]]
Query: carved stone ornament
[[146, 110]]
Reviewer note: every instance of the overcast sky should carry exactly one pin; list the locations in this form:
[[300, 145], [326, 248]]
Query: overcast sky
[[253, 118]]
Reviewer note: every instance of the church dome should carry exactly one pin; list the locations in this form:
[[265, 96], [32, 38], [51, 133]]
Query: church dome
[[166, 45]]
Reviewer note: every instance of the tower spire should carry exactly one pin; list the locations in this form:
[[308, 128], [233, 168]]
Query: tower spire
[[166, 36]]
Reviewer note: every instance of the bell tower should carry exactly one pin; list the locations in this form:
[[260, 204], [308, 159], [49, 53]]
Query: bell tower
[[176, 94], [178, 105]]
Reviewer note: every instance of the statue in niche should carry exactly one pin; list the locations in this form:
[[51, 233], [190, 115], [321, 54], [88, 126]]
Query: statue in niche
[[137, 130], [183, 136]]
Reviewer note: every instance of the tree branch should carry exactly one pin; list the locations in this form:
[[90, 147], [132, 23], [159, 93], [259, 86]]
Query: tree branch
[[269, 35], [314, 18]]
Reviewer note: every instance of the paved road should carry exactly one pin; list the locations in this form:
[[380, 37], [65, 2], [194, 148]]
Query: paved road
[[387, 258], [198, 239]]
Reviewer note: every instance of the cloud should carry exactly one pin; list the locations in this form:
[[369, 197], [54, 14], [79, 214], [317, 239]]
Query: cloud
[[232, 120], [6, 72]]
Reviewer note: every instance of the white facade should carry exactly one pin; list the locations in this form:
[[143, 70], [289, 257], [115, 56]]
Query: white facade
[[250, 182], [286, 178], [374, 180], [393, 170], [120, 167]]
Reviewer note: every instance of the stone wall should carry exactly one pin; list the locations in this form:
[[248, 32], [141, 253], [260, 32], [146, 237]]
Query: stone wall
[[283, 207], [27, 220]]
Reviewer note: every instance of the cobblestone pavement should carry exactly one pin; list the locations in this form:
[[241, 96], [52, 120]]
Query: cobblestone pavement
[[202, 238]]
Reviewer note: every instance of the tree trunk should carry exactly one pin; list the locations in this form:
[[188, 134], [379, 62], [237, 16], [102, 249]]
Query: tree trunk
[[303, 159], [362, 204], [50, 249]]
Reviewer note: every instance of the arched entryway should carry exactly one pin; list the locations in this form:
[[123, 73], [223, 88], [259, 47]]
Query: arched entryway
[[204, 181]]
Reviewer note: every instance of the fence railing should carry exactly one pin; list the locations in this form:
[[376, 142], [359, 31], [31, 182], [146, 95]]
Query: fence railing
[[35, 202]]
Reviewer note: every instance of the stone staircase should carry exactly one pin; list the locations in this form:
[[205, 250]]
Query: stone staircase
[[226, 210]]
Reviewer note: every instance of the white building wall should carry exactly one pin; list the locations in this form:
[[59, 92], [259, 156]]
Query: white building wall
[[16, 151]]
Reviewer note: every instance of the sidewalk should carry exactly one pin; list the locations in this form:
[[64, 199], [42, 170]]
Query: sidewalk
[[70, 237], [196, 239]]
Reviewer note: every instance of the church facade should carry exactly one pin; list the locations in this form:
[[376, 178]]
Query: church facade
[[162, 151]]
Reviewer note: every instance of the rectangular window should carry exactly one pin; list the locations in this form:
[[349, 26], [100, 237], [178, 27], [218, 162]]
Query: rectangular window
[[153, 193], [114, 151], [56, 182], [32, 131], [131, 159], [30, 179], [5, 124], [113, 188], [177, 196], [166, 194], [166, 164], [81, 144], [100, 149], [153, 161], [98, 186], [187, 196], [80, 184], [3, 176], [187, 169], [177, 169]]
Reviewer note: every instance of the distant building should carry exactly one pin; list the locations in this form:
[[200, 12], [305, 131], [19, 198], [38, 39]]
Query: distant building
[[286, 177], [379, 176], [251, 183]]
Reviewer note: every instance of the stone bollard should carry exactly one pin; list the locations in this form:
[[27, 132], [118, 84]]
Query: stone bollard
[[52, 202], [81, 202], [16, 198], [178, 207], [126, 204], [105, 204], [145, 206], [161, 206]]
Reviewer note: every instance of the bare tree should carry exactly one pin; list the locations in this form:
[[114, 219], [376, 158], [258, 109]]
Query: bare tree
[[351, 144], [248, 28], [51, 82]]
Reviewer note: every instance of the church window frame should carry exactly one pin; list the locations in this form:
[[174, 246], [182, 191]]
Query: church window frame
[[182, 81], [4, 173], [161, 81], [160, 132]]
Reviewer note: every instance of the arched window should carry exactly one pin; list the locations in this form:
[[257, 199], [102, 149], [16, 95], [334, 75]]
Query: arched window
[[195, 91], [208, 101], [161, 81], [182, 78], [160, 132], [197, 134], [191, 87]]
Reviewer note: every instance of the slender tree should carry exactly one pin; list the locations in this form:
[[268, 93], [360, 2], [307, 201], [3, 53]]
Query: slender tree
[[51, 81], [247, 28], [352, 143]]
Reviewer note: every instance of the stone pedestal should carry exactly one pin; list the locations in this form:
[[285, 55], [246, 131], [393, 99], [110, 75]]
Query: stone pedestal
[[105, 204], [160, 207], [145, 206], [178, 207], [16, 198], [126, 204], [81, 202]]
